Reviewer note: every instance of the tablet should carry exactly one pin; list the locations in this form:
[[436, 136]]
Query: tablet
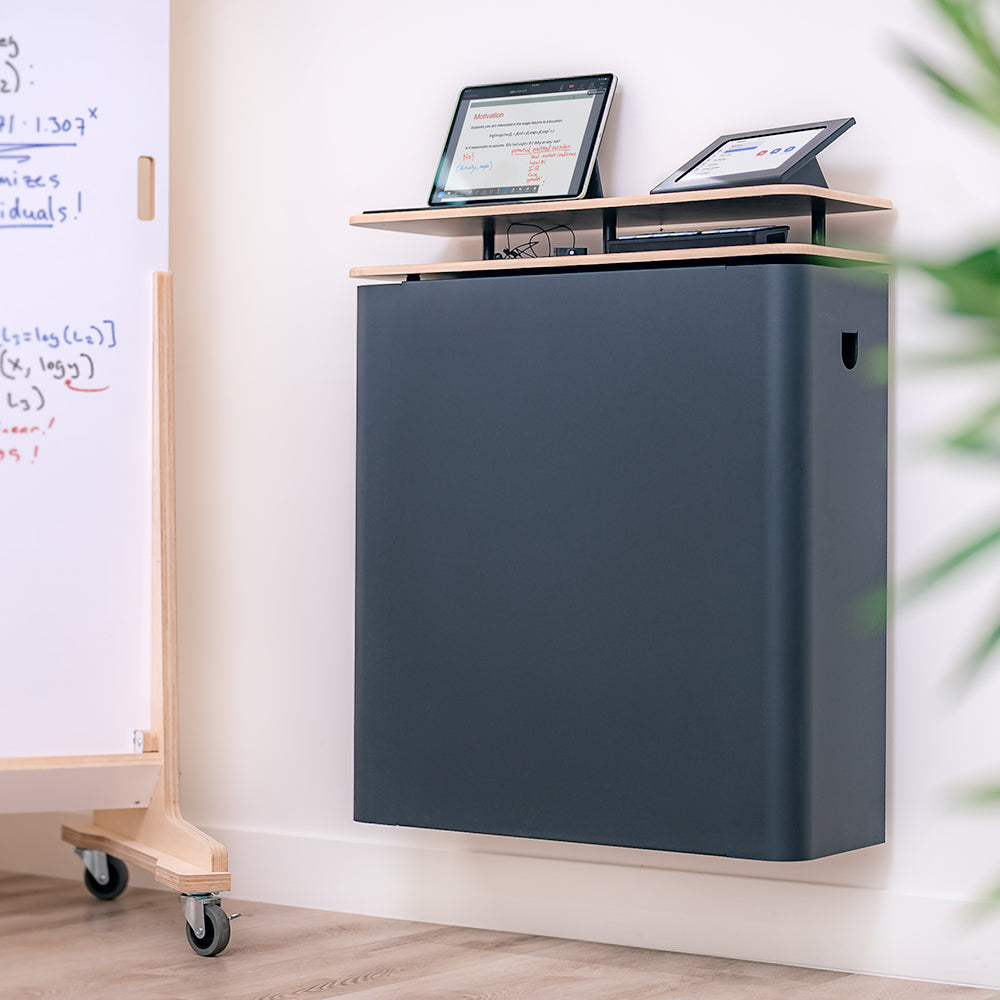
[[767, 156], [532, 141]]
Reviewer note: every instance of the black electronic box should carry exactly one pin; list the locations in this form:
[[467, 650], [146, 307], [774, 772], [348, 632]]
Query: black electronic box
[[743, 236]]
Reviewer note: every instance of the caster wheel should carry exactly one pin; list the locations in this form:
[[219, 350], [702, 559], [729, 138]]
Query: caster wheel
[[117, 880], [216, 935]]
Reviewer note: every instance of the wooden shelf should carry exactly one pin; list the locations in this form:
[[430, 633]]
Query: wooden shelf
[[57, 784], [765, 201], [801, 252]]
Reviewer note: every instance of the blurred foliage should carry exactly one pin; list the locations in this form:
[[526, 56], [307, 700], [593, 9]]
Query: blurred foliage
[[969, 288], [979, 92]]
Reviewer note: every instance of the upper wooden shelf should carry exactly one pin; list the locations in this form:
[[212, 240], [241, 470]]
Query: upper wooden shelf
[[767, 201]]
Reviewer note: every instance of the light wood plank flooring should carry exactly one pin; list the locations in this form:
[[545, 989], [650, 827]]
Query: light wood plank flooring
[[57, 942]]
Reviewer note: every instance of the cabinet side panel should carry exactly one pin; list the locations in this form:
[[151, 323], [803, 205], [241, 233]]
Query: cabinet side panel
[[561, 556], [847, 559]]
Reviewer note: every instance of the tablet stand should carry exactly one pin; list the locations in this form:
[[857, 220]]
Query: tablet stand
[[594, 189], [807, 172]]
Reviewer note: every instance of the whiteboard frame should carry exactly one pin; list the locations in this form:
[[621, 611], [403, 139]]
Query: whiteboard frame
[[136, 797]]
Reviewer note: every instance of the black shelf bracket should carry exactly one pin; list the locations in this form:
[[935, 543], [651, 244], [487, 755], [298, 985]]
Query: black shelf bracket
[[818, 216], [609, 227], [489, 238]]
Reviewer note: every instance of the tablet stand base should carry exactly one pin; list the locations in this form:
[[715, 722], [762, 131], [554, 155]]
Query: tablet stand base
[[594, 189], [805, 173]]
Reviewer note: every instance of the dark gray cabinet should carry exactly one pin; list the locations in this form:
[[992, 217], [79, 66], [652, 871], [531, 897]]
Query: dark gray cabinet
[[615, 528]]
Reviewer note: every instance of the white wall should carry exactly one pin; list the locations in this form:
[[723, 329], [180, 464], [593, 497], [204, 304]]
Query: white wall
[[281, 114]]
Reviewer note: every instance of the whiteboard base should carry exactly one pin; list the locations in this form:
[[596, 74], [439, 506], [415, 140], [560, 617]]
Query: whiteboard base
[[151, 850], [157, 838]]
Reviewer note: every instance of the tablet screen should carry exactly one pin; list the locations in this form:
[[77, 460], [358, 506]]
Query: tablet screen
[[764, 152], [765, 156], [524, 141]]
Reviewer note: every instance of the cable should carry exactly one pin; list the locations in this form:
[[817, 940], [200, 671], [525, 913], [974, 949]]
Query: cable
[[527, 249]]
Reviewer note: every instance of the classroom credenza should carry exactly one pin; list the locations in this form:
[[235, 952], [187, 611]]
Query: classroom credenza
[[616, 526]]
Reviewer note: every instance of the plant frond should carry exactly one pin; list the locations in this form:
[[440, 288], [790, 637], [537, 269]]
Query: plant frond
[[973, 664], [985, 104], [951, 563], [966, 19], [984, 793]]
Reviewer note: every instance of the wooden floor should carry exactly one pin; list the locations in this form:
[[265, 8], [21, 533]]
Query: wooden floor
[[56, 942]]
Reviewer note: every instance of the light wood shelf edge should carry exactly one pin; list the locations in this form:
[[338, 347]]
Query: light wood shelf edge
[[835, 201], [157, 838], [778, 251], [79, 763]]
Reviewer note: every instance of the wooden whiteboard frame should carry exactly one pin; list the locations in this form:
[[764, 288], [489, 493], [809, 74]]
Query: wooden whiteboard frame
[[136, 797]]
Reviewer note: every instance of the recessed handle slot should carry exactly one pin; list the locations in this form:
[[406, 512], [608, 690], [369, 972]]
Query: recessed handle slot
[[849, 348], [147, 189]]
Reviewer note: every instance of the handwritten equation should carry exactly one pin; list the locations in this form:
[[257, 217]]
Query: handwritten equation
[[41, 369], [18, 441], [36, 152], [33, 377], [10, 71], [93, 335]]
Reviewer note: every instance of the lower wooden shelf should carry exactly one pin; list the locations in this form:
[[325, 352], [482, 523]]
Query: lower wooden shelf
[[57, 784], [799, 252]]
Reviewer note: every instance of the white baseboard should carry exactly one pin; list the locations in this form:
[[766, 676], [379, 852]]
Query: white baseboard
[[762, 919]]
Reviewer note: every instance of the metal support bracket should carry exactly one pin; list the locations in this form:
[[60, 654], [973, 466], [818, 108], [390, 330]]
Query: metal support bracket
[[818, 217], [96, 862], [609, 228], [193, 905]]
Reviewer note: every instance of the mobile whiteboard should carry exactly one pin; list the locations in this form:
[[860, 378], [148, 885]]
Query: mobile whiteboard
[[83, 107]]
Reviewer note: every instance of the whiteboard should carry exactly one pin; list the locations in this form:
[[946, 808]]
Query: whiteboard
[[83, 95]]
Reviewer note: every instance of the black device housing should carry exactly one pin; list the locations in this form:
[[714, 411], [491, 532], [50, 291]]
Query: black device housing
[[742, 236]]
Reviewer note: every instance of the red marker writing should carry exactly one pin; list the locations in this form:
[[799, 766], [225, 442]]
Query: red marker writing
[[69, 385]]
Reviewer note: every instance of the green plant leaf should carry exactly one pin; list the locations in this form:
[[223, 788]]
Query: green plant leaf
[[985, 906], [985, 105], [972, 356], [973, 664], [971, 287], [965, 17], [985, 793], [971, 283], [878, 364], [981, 95], [871, 612], [951, 563], [976, 435]]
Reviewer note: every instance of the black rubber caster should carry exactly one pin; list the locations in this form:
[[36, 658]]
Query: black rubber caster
[[117, 880], [216, 935]]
